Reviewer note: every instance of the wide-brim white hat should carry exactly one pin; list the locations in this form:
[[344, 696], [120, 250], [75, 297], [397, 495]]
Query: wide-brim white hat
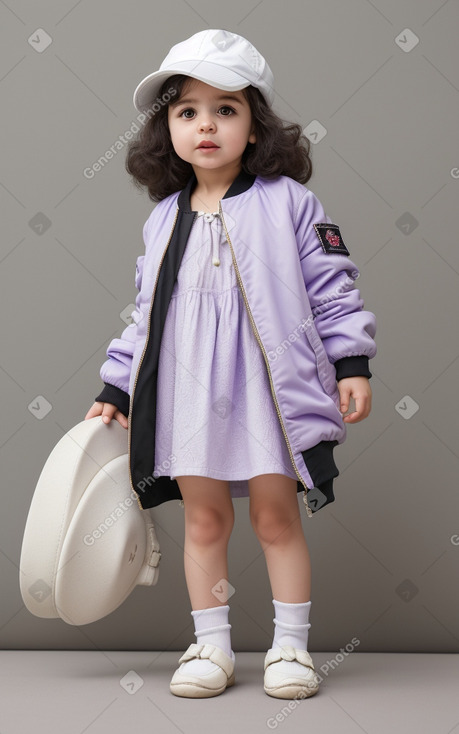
[[217, 57], [87, 543]]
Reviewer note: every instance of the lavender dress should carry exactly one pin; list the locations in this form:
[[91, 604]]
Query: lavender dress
[[215, 410]]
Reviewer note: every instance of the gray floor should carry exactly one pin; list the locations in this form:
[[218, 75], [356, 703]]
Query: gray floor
[[101, 692]]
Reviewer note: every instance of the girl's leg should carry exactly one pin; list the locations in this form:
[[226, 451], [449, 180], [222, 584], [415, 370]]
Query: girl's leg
[[275, 518], [209, 520]]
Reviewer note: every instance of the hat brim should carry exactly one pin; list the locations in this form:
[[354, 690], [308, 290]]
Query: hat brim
[[147, 91]]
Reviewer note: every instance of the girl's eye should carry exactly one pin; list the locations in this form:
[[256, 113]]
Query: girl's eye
[[189, 109]]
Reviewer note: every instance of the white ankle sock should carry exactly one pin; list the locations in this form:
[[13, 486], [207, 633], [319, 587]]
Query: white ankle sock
[[291, 628], [212, 626], [292, 624]]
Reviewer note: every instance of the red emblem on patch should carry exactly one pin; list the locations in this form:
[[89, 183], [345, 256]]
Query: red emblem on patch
[[332, 238]]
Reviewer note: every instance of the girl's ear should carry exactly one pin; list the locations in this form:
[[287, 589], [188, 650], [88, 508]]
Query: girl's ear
[[252, 136]]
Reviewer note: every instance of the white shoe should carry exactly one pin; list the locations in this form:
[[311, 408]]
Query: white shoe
[[210, 684], [282, 685]]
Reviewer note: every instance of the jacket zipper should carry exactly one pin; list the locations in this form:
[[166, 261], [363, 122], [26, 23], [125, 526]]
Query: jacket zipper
[[255, 331], [143, 354]]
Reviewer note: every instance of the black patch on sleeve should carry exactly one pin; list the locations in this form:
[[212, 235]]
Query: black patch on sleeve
[[330, 238]]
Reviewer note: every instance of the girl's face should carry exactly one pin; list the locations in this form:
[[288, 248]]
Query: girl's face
[[205, 113]]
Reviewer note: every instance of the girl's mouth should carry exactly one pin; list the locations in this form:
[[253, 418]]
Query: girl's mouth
[[207, 145]]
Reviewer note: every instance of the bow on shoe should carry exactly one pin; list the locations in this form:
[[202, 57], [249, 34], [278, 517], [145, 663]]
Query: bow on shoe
[[194, 651], [209, 652], [289, 653]]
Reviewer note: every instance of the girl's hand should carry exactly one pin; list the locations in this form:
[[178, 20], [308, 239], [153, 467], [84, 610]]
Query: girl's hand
[[359, 388], [108, 411]]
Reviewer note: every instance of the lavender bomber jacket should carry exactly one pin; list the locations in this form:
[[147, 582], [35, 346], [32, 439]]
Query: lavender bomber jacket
[[297, 282]]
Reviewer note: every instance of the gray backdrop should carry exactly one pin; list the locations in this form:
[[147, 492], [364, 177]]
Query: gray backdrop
[[380, 79]]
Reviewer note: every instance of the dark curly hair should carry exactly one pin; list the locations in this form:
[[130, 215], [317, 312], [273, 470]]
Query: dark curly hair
[[280, 150]]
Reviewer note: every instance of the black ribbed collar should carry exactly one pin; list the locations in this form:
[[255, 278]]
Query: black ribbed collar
[[241, 183]]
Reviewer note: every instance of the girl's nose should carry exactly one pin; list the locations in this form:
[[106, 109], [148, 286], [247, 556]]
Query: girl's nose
[[206, 124]]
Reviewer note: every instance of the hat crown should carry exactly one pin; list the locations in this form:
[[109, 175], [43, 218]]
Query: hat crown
[[212, 45]]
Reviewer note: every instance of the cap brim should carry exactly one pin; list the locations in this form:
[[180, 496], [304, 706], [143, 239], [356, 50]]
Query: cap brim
[[148, 89], [220, 77]]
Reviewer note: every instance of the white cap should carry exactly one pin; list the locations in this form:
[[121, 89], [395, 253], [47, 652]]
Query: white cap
[[217, 57]]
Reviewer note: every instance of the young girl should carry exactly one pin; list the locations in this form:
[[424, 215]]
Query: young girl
[[247, 342]]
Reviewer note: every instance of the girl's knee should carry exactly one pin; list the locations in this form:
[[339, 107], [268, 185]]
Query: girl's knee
[[207, 525], [272, 525]]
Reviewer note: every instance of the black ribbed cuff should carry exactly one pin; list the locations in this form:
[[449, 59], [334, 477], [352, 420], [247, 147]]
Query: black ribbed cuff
[[352, 367], [116, 396]]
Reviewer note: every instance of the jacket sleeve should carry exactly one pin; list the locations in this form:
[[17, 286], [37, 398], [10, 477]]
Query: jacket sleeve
[[346, 330], [116, 370]]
